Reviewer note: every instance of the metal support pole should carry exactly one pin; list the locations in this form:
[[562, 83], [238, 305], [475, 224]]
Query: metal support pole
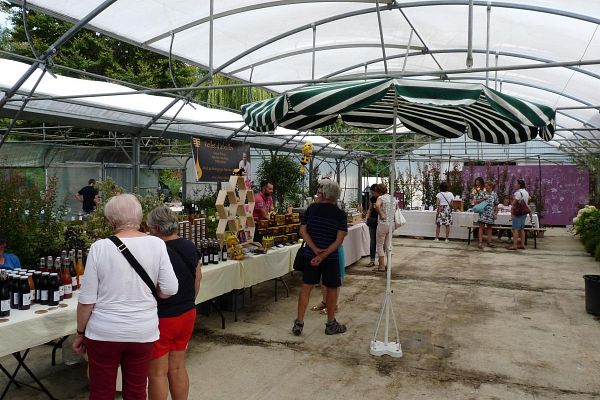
[[496, 72], [378, 348], [210, 41], [337, 171], [470, 37], [385, 66], [360, 165], [314, 54], [54, 48], [410, 37], [135, 153], [487, 43]]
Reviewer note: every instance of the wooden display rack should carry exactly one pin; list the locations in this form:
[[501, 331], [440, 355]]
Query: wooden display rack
[[237, 216]]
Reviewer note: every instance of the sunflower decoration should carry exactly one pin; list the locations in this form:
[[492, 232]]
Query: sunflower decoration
[[307, 150]]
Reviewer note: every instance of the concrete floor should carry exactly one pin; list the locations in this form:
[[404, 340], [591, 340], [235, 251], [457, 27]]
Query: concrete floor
[[473, 324]]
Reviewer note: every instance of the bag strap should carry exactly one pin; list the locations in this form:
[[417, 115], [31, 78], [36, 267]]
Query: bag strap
[[445, 198], [134, 264]]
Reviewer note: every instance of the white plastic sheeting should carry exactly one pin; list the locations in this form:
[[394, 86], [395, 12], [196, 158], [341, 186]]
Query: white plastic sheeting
[[272, 41], [129, 113]]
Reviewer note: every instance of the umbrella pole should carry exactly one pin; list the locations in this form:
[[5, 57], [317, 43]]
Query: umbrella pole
[[379, 348]]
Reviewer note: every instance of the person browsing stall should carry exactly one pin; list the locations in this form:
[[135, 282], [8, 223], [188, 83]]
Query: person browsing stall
[[117, 320], [324, 227], [7, 260], [263, 201], [177, 314]]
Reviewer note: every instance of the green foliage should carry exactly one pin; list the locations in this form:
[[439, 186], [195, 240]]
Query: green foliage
[[455, 180], [30, 216], [597, 254], [313, 183], [587, 225], [173, 178], [408, 183], [591, 242], [98, 227], [284, 173], [430, 181]]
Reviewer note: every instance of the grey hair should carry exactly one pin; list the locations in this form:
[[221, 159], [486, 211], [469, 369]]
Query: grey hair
[[123, 211], [330, 189], [162, 220]]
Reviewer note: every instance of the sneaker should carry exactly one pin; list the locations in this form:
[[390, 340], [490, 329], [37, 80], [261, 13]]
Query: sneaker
[[297, 328], [334, 327], [447, 241], [436, 240]]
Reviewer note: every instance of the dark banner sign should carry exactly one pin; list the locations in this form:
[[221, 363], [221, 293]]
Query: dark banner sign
[[215, 161]]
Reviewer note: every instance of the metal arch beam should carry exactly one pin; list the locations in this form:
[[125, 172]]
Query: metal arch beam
[[452, 51], [324, 48], [390, 6]]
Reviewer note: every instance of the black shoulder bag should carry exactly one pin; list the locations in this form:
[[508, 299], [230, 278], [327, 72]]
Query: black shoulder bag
[[299, 260], [134, 264]]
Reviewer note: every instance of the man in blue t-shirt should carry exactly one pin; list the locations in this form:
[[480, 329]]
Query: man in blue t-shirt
[[323, 228], [88, 195], [7, 260]]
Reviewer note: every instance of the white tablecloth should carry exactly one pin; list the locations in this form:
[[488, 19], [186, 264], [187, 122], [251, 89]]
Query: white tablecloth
[[356, 243], [422, 223], [26, 329], [218, 279], [261, 268]]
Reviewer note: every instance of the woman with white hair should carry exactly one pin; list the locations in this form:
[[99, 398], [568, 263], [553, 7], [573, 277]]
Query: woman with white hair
[[177, 314], [323, 228], [117, 321]]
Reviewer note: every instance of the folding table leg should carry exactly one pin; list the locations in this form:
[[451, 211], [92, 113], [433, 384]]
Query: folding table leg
[[21, 360], [218, 310], [275, 280], [469, 238], [57, 345], [11, 381], [287, 289]]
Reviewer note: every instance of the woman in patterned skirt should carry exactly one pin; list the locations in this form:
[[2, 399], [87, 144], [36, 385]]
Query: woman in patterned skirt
[[443, 204], [488, 217]]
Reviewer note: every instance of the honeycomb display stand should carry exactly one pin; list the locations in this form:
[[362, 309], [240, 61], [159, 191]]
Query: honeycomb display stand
[[237, 215]]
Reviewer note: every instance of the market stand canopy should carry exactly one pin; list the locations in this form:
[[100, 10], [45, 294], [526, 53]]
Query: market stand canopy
[[438, 109]]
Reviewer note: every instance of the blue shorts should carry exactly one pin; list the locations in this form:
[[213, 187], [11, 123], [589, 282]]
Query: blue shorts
[[518, 222]]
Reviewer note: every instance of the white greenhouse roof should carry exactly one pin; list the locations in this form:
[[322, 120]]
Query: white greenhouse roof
[[129, 113], [283, 44]]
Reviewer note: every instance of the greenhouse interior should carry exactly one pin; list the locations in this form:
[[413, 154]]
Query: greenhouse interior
[[430, 167]]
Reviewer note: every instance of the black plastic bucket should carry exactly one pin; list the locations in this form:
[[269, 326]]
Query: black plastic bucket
[[592, 294]]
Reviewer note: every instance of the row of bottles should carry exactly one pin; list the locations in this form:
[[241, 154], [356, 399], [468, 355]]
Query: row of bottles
[[54, 281], [211, 252]]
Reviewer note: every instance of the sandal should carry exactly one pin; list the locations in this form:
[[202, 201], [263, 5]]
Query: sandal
[[491, 245], [511, 248], [480, 246], [371, 264], [379, 269], [334, 327], [521, 247], [319, 307], [324, 311]]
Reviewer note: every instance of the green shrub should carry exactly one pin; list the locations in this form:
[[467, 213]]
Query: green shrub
[[591, 243]]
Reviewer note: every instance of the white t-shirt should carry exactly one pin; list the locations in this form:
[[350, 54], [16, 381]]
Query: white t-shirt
[[386, 200], [246, 166], [522, 194], [504, 209], [445, 198], [125, 310]]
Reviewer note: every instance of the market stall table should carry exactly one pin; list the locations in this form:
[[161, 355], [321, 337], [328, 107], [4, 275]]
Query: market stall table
[[27, 328], [356, 243]]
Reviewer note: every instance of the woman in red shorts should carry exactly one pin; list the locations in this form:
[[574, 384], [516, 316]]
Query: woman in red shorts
[[177, 314]]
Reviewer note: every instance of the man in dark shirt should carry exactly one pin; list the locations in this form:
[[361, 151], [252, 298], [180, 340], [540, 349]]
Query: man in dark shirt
[[323, 228], [88, 195]]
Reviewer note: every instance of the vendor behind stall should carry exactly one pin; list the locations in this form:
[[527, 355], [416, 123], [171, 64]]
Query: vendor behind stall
[[263, 201], [7, 260]]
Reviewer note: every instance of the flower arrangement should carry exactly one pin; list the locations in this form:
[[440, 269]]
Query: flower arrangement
[[587, 225]]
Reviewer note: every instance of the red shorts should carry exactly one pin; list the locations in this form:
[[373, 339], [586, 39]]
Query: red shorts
[[175, 333]]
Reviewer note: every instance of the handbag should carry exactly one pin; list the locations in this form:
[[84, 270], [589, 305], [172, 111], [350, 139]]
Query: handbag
[[134, 264], [399, 219], [520, 209], [299, 260], [480, 208], [372, 221]]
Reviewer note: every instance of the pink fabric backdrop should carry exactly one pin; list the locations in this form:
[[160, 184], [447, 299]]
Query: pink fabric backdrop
[[563, 187]]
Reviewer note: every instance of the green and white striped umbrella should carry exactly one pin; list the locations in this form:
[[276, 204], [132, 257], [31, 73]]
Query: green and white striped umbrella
[[439, 109]]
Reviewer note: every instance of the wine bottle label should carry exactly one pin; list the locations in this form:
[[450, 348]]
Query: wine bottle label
[[16, 298], [26, 299], [57, 296], [61, 291], [205, 260], [5, 305], [68, 289], [44, 295], [32, 294]]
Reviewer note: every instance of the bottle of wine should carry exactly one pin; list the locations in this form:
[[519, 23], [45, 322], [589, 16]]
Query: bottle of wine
[[66, 279], [53, 290], [24, 294], [58, 272], [45, 288], [224, 252], [4, 295]]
